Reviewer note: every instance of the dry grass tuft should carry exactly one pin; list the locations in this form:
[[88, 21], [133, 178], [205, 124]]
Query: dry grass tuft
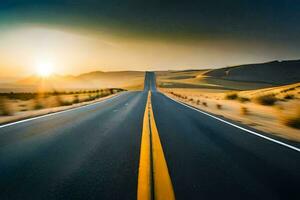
[[5, 109], [243, 99], [76, 99], [244, 111], [38, 105], [231, 96], [66, 103], [204, 104], [293, 119], [219, 106], [267, 100], [61, 102], [289, 96]]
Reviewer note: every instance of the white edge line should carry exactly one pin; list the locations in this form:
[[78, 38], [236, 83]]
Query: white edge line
[[59, 112], [236, 126]]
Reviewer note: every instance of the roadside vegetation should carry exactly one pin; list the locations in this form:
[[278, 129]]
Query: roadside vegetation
[[267, 100], [244, 110], [235, 96], [219, 106], [231, 96], [5, 109], [275, 110], [11, 103], [292, 119]]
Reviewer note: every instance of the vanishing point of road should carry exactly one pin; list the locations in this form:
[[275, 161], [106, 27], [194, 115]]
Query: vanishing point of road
[[143, 145]]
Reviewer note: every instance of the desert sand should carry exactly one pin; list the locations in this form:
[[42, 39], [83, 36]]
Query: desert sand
[[264, 106]]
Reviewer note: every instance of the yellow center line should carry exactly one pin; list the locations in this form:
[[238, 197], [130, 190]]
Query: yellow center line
[[154, 181], [144, 177]]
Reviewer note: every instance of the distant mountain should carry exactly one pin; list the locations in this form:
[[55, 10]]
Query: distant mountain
[[32, 80], [93, 75], [100, 75], [91, 80], [275, 72]]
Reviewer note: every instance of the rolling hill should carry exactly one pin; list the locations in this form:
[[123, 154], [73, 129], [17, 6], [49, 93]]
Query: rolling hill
[[275, 72], [91, 80]]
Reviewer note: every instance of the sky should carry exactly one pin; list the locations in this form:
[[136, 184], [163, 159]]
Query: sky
[[77, 36]]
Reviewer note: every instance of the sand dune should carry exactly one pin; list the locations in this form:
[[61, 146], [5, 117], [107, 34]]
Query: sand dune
[[266, 96], [246, 109], [276, 72], [243, 77]]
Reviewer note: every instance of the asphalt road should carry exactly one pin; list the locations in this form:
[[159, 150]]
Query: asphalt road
[[93, 153], [88, 153]]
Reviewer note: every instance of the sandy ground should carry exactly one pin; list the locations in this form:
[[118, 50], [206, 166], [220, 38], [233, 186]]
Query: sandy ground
[[198, 79], [265, 118], [209, 94], [34, 113], [20, 109]]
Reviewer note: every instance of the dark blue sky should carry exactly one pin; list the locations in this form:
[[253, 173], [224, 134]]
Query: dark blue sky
[[265, 20], [224, 32]]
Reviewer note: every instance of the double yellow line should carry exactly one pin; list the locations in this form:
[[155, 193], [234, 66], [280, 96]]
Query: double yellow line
[[154, 181]]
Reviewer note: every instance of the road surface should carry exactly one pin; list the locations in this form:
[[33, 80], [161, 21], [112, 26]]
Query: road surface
[[93, 153]]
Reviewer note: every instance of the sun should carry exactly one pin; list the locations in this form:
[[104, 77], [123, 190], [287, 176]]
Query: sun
[[44, 69]]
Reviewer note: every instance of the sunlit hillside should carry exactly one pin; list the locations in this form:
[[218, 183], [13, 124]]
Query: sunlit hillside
[[243, 77], [91, 80], [276, 72], [265, 96]]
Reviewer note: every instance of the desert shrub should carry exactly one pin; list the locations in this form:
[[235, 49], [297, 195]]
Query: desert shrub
[[91, 98], [55, 93], [198, 101], [37, 105], [61, 102], [244, 110], [177, 95], [243, 99], [292, 120], [18, 96], [204, 104], [58, 99], [191, 99], [76, 99], [231, 96], [289, 89], [267, 100], [219, 106], [104, 93], [289, 96], [66, 103], [5, 109]]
